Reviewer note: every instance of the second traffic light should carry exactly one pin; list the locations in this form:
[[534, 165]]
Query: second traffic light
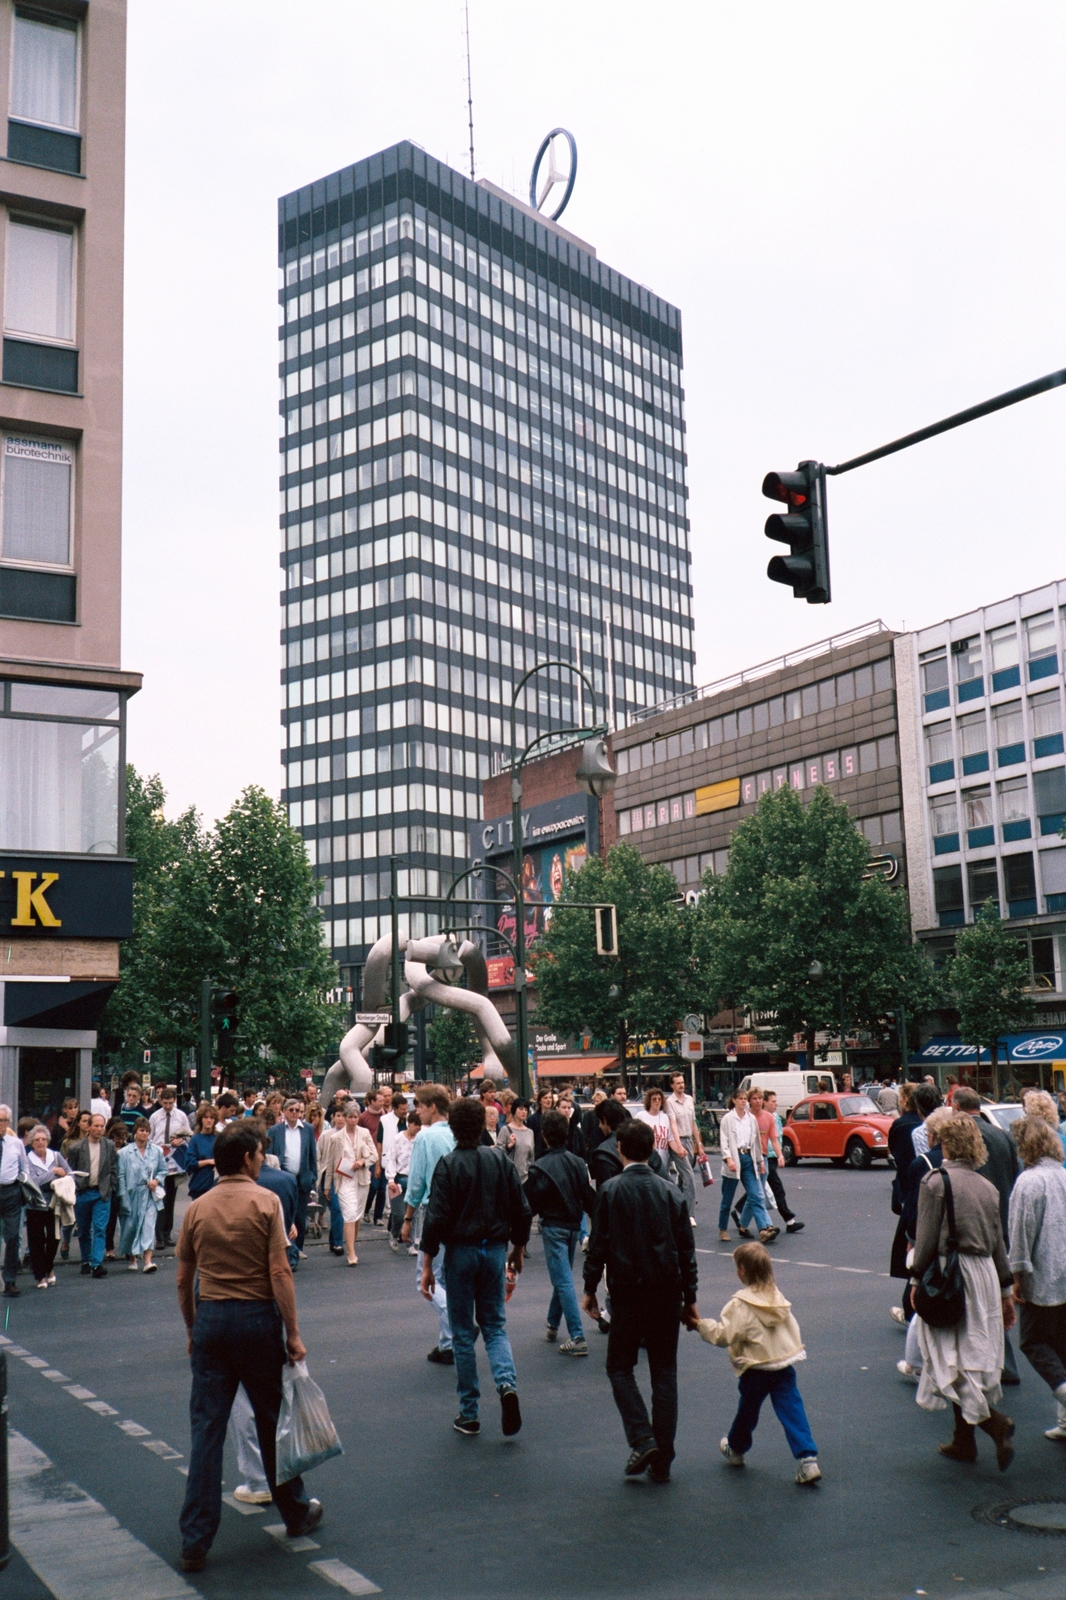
[[803, 528], [226, 1023]]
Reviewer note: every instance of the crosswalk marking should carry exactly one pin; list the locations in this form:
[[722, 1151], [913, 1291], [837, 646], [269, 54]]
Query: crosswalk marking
[[343, 1576]]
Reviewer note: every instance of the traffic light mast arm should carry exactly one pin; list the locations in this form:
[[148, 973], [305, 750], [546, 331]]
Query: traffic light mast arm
[[1054, 380]]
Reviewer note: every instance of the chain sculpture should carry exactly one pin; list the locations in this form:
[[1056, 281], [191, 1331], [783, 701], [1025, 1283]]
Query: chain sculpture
[[433, 969]]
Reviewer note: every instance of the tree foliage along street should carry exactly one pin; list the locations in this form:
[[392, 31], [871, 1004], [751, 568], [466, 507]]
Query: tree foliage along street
[[793, 894], [236, 904], [456, 1048], [989, 973], [643, 992]]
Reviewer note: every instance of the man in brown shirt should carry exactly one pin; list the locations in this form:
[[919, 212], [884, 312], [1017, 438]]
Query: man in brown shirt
[[234, 1238]]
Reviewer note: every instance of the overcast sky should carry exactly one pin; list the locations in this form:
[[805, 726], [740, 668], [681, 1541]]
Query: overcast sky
[[858, 209]]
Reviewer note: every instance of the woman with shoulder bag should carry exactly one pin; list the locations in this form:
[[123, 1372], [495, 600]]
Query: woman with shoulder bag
[[958, 1211], [45, 1164]]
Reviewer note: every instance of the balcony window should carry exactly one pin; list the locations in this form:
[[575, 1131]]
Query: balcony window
[[977, 817], [1049, 798], [983, 883], [59, 769], [1003, 648], [39, 307], [43, 121], [1013, 802], [1053, 873], [947, 896], [934, 670], [1041, 640], [939, 752], [1019, 880], [969, 679], [944, 817], [1008, 733], [973, 743], [1045, 712]]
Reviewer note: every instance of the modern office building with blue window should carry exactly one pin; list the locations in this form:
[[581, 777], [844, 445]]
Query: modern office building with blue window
[[980, 702], [482, 467]]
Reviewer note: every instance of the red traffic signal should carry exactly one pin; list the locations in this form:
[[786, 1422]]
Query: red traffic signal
[[803, 528]]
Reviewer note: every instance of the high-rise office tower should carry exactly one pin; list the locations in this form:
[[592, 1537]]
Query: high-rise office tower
[[482, 467]]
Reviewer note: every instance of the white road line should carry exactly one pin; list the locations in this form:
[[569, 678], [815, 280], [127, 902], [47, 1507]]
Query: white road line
[[101, 1408], [278, 1531], [74, 1545], [343, 1576], [54, 1375], [80, 1392], [160, 1448], [794, 1261], [35, 1362], [134, 1430], [239, 1505], [17, 1350]]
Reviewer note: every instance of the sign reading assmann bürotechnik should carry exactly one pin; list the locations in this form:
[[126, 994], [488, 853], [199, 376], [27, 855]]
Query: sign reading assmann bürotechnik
[[65, 897]]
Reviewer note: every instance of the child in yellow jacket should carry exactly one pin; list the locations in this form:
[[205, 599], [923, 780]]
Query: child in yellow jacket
[[763, 1339]]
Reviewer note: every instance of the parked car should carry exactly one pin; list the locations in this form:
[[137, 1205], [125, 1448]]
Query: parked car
[[1003, 1114], [791, 1086], [838, 1127]]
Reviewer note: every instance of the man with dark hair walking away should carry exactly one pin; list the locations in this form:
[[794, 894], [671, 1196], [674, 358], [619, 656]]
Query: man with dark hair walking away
[[558, 1189], [242, 1325], [642, 1236], [476, 1205]]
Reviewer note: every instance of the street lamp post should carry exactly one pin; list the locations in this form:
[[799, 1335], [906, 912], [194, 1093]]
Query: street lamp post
[[596, 777]]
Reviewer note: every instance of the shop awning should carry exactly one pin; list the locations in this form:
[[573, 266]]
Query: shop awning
[[574, 1066], [1023, 1048]]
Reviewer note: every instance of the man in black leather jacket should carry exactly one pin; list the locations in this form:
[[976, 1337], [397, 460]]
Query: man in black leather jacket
[[642, 1236], [604, 1160], [558, 1189], [476, 1206]]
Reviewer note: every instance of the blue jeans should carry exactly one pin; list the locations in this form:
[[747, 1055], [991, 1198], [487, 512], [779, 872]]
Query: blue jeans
[[336, 1222], [752, 1188], [560, 1246], [378, 1194], [787, 1402], [475, 1277], [91, 1214], [233, 1342]]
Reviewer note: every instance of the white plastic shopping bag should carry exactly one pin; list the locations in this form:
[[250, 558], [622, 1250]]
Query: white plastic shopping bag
[[306, 1436]]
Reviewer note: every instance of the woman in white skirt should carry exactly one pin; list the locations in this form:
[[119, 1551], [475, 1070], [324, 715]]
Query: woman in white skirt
[[961, 1366], [349, 1165]]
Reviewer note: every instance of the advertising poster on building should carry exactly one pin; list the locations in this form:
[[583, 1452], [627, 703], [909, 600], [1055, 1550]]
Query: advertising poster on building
[[545, 871]]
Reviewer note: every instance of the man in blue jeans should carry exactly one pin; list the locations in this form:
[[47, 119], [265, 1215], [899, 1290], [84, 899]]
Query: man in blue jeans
[[558, 1190], [476, 1206], [742, 1162], [94, 1162], [242, 1327]]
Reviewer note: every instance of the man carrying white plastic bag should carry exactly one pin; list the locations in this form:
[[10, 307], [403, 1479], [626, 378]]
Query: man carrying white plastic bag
[[306, 1436]]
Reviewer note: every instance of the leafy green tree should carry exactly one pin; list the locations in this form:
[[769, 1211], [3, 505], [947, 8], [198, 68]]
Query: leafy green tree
[[989, 974], [794, 894], [456, 1048], [644, 992]]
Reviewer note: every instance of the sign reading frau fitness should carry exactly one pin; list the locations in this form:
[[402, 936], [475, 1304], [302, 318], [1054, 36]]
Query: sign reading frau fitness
[[65, 897]]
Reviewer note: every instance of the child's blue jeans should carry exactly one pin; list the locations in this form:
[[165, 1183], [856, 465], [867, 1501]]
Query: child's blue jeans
[[781, 1386]]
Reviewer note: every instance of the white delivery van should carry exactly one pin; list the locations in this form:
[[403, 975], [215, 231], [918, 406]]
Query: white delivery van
[[790, 1087]]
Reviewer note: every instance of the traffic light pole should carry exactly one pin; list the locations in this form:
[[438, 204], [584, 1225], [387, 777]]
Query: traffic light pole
[[205, 1039], [1054, 380]]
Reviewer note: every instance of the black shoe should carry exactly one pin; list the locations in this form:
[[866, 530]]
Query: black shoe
[[512, 1417], [659, 1471], [735, 1214], [443, 1358], [336, 1249], [12, 1290], [793, 1226], [193, 1560], [641, 1459], [468, 1425], [99, 1272], [86, 1269], [604, 1324], [310, 1522]]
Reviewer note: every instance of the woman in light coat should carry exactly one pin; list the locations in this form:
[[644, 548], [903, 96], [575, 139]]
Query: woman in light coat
[[142, 1172], [350, 1162], [1037, 1254]]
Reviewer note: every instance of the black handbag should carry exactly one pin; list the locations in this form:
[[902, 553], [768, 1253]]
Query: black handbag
[[939, 1297], [33, 1197]]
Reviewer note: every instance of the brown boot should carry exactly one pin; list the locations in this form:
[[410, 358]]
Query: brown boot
[[963, 1446], [1000, 1430]]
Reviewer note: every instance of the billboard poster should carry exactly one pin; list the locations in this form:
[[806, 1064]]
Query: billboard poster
[[545, 871]]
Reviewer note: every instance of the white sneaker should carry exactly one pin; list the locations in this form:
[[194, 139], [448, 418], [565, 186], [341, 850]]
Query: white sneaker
[[1059, 1430], [905, 1370], [252, 1497], [412, 1250], [132, 1267], [734, 1458], [693, 1221], [809, 1470], [302, 1254], [898, 1314]]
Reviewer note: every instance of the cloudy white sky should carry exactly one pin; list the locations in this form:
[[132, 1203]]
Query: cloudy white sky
[[859, 210]]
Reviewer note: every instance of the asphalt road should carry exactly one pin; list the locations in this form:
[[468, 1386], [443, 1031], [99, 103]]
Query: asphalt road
[[421, 1512]]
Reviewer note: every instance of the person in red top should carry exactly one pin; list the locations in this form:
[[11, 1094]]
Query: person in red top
[[766, 1119], [371, 1120], [949, 1093]]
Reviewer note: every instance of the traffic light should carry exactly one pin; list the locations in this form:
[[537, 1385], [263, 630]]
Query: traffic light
[[606, 930], [803, 528], [226, 1023], [394, 1047]]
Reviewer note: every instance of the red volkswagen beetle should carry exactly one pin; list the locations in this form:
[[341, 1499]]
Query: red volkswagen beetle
[[836, 1127]]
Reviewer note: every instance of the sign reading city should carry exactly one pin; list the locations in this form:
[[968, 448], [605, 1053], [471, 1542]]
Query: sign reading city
[[560, 147]]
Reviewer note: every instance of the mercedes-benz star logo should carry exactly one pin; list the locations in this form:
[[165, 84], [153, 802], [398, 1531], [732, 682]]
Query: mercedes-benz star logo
[[556, 176]]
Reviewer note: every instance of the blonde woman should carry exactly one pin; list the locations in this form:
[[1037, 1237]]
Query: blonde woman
[[961, 1365], [351, 1161], [1038, 1255]]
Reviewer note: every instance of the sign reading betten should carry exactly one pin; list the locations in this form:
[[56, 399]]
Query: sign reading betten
[[65, 897]]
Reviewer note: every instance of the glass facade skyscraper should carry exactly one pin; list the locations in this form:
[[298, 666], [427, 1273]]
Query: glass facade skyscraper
[[482, 467]]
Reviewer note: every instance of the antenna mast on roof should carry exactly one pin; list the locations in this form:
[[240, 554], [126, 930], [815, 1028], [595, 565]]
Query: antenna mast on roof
[[469, 87]]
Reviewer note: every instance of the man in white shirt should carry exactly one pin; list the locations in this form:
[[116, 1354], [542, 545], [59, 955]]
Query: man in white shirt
[[742, 1162], [681, 1109], [168, 1127], [98, 1105], [13, 1166]]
